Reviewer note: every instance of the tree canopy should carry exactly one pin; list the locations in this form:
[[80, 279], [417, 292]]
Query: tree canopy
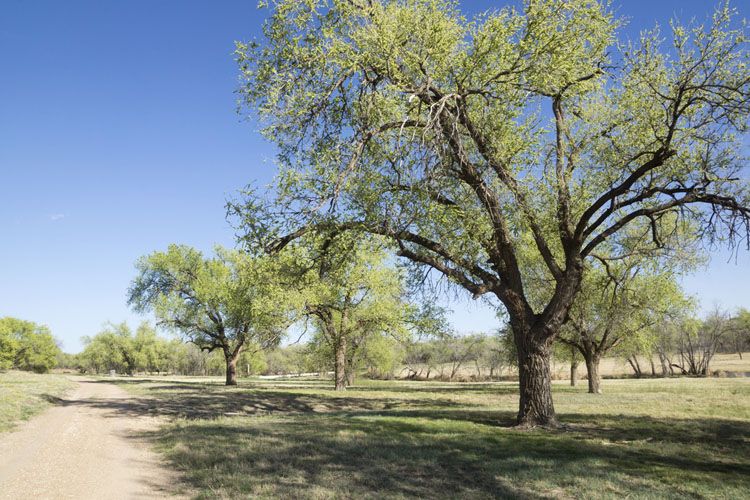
[[225, 302], [468, 142], [25, 345], [352, 295]]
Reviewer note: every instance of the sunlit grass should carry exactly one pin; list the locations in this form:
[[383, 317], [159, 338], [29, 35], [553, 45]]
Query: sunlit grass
[[23, 394], [300, 439]]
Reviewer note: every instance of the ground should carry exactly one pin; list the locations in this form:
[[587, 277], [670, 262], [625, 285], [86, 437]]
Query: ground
[[299, 439], [645, 438], [87, 446], [24, 394]]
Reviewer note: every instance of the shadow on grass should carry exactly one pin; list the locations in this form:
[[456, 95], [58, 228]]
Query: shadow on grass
[[493, 388], [415, 456], [293, 444], [198, 401]]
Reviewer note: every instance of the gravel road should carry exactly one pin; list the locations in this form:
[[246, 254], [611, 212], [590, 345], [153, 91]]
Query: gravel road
[[89, 445]]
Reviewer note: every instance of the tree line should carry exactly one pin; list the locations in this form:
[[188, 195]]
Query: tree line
[[673, 347]]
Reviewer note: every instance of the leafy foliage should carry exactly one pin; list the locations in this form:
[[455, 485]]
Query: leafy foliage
[[26, 346], [224, 302], [472, 142]]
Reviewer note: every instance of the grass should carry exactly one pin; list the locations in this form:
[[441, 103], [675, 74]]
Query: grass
[[24, 394], [299, 439]]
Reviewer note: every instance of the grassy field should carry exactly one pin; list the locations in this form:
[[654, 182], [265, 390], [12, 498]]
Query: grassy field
[[610, 367], [24, 394], [299, 439]]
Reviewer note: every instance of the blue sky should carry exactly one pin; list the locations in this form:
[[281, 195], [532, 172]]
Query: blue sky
[[118, 136]]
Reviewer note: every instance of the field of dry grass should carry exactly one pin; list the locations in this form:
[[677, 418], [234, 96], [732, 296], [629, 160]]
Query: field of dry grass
[[24, 394], [611, 367]]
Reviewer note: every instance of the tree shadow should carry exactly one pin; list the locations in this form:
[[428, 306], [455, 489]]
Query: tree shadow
[[490, 388], [424, 455], [196, 401], [302, 444]]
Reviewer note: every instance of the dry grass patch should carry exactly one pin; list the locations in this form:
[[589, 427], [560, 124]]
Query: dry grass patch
[[24, 394]]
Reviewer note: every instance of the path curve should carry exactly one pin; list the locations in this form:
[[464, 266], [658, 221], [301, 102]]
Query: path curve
[[84, 447]]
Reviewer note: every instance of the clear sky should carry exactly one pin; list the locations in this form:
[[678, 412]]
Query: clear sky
[[118, 136]]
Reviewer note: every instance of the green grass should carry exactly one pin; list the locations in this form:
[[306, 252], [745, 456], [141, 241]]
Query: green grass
[[24, 394], [299, 439]]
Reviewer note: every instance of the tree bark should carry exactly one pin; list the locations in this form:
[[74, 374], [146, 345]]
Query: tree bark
[[535, 405], [635, 365], [340, 364], [573, 372], [665, 368], [592, 369], [231, 370]]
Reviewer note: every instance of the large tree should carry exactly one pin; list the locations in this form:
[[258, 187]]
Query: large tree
[[457, 137], [221, 303]]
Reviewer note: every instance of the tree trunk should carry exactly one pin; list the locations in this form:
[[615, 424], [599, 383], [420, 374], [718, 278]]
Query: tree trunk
[[340, 364], [350, 373], [573, 372], [535, 405], [592, 369], [665, 368], [635, 366], [231, 370]]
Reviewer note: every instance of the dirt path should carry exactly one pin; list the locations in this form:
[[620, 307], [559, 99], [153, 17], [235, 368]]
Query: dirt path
[[87, 446]]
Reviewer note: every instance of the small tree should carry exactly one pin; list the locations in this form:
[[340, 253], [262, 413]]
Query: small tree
[[113, 348], [619, 303], [491, 356], [698, 342], [738, 336], [352, 295], [218, 303]]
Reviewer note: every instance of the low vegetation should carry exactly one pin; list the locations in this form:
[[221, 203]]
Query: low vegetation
[[300, 439], [24, 394]]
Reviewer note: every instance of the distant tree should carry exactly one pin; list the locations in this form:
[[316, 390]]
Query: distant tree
[[26, 346], [8, 344], [738, 336], [220, 303], [456, 351], [492, 355], [113, 348], [698, 342], [150, 349], [455, 137], [252, 360], [381, 354], [67, 361], [619, 304], [351, 295]]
